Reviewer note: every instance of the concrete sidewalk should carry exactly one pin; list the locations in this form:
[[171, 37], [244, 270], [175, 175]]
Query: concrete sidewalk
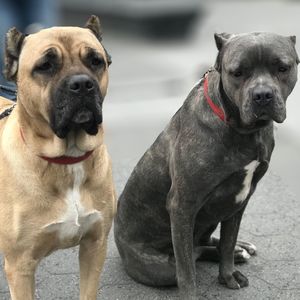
[[271, 222]]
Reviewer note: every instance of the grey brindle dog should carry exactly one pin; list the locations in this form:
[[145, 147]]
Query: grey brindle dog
[[205, 165]]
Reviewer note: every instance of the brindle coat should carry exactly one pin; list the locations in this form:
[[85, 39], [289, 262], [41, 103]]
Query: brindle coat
[[201, 171]]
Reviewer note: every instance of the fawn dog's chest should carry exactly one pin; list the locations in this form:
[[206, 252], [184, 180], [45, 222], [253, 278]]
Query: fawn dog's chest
[[75, 219]]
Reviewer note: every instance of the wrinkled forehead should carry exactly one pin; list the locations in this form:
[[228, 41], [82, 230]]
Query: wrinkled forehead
[[64, 39], [250, 49]]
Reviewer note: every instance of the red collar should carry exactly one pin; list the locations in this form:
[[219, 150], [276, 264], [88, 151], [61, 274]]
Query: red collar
[[216, 109], [67, 160], [62, 160]]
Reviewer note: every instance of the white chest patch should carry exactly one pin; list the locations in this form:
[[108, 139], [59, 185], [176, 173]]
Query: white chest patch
[[76, 220], [250, 169]]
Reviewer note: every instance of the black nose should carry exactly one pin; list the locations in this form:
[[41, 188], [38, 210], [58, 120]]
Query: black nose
[[262, 95], [80, 84]]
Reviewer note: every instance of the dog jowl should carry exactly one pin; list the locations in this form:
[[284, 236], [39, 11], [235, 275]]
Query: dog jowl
[[55, 172], [203, 168]]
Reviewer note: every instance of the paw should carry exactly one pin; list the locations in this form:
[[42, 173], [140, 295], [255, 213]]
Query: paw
[[241, 255], [250, 248], [235, 281]]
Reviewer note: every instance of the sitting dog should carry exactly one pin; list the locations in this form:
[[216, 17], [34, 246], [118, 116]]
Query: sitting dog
[[55, 173], [204, 167]]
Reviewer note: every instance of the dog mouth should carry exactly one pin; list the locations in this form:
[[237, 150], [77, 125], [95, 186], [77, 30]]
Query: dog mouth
[[255, 116], [261, 123], [76, 105], [275, 115], [72, 117], [86, 120], [263, 117], [262, 120], [255, 123], [82, 119]]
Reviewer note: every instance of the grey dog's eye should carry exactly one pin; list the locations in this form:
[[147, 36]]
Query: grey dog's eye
[[283, 69], [237, 73]]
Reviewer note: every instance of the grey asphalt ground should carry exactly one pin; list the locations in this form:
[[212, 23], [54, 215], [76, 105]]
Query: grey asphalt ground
[[149, 81]]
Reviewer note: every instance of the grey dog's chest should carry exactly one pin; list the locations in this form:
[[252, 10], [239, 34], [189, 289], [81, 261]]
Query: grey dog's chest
[[232, 193]]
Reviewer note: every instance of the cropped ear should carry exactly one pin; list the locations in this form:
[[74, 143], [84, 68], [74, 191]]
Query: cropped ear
[[94, 25], [14, 42], [293, 39], [221, 39]]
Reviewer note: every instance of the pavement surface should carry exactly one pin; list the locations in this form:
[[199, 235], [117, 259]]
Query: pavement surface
[[149, 81]]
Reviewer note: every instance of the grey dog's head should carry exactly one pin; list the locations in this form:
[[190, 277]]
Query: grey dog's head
[[258, 72]]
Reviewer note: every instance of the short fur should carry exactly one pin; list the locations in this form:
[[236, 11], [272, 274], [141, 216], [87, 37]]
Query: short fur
[[202, 171], [38, 199]]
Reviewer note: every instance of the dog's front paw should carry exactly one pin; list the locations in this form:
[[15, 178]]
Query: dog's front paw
[[234, 281]]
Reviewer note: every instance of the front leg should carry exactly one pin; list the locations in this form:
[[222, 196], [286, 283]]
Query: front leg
[[92, 253], [20, 276], [182, 216], [229, 232]]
